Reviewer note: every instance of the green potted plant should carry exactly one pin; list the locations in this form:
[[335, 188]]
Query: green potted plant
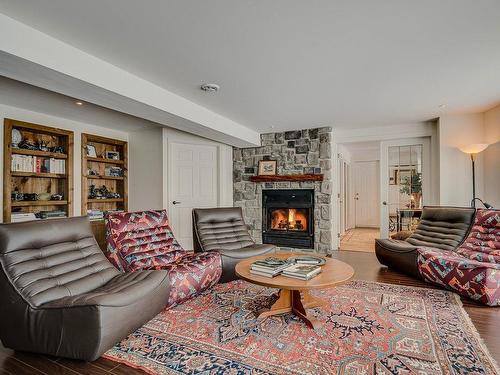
[[412, 186]]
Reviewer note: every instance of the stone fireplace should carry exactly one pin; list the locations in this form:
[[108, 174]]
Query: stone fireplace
[[289, 224]]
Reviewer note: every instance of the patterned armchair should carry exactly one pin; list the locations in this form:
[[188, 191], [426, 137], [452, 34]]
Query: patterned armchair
[[473, 269], [144, 241]]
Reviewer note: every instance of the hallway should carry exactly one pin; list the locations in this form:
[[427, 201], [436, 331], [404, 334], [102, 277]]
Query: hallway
[[360, 239]]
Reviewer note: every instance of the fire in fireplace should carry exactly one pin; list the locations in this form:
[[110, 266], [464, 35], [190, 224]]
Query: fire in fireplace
[[287, 218]]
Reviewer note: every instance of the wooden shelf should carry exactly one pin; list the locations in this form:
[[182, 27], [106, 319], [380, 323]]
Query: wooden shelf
[[99, 166], [108, 200], [55, 155], [297, 178], [107, 161], [104, 178], [38, 203], [39, 175], [33, 182]]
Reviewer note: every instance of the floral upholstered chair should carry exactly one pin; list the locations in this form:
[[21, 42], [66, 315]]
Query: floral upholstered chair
[[473, 269], [144, 241]]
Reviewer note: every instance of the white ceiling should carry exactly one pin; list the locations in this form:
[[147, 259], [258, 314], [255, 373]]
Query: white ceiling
[[290, 63]]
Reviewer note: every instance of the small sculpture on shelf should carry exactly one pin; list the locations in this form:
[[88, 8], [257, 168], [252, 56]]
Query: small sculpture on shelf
[[102, 193]]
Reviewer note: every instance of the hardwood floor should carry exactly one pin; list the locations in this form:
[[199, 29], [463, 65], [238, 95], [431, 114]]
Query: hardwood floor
[[486, 320], [360, 239]]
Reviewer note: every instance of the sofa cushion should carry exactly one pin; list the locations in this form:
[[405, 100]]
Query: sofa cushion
[[483, 242], [48, 262], [442, 227], [192, 274], [221, 229], [397, 254], [471, 278], [141, 240]]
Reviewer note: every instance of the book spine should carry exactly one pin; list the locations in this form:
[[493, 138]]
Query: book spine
[[261, 273]]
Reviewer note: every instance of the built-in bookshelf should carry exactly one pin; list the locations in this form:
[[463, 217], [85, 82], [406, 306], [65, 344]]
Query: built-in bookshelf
[[104, 164], [38, 171]]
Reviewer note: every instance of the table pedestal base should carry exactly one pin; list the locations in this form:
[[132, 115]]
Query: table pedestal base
[[296, 302]]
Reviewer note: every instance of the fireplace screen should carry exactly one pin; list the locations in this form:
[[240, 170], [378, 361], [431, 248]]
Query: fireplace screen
[[289, 219]]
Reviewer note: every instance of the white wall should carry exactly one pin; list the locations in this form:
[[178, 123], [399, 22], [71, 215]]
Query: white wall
[[492, 157], [146, 169], [77, 127], [454, 165]]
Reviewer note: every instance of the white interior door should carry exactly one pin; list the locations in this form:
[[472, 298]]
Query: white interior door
[[192, 183], [366, 193], [404, 181]]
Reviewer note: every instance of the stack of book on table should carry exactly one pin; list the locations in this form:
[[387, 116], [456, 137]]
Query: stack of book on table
[[268, 267], [301, 271]]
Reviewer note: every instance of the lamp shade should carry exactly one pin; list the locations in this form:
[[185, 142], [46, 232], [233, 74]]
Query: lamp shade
[[474, 148]]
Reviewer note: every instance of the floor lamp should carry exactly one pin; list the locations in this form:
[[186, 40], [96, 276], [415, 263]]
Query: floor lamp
[[473, 150]]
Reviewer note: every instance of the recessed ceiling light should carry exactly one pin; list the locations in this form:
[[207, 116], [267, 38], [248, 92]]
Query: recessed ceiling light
[[442, 106], [210, 87], [79, 103]]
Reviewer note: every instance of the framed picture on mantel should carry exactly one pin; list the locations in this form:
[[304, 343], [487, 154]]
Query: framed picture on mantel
[[267, 167]]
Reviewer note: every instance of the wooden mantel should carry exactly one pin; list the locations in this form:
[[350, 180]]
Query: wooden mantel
[[290, 177]]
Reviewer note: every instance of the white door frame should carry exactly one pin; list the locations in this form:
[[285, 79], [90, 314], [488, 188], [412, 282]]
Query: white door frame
[[384, 176]]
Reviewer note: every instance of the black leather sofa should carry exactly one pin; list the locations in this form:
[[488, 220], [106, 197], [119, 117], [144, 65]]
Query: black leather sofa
[[224, 230], [60, 295], [440, 227]]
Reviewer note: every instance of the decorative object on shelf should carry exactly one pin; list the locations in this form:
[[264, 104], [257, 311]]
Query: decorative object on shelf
[[102, 193], [92, 172], [57, 149], [473, 150], [44, 196], [30, 197], [267, 167], [17, 138], [113, 172], [112, 155], [16, 196], [28, 145], [56, 197], [91, 151]]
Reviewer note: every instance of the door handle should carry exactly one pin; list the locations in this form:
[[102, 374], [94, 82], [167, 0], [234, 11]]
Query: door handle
[[176, 202], [384, 203]]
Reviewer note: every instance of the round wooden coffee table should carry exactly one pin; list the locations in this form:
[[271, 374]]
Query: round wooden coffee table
[[294, 294]]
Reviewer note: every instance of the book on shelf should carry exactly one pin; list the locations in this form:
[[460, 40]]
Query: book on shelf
[[17, 217], [51, 214], [95, 215], [36, 164], [302, 271]]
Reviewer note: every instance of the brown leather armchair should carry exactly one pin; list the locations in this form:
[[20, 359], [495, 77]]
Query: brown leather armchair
[[224, 230], [62, 297], [440, 227]]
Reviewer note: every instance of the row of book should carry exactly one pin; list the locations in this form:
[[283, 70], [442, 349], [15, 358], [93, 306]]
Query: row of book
[[17, 217], [97, 215], [36, 164], [272, 267]]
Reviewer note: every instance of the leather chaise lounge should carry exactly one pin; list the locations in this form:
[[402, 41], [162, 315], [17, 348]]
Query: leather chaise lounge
[[223, 230], [144, 241], [441, 228], [62, 297], [436, 253]]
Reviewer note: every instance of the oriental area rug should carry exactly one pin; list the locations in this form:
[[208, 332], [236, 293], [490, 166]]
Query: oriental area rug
[[368, 328]]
